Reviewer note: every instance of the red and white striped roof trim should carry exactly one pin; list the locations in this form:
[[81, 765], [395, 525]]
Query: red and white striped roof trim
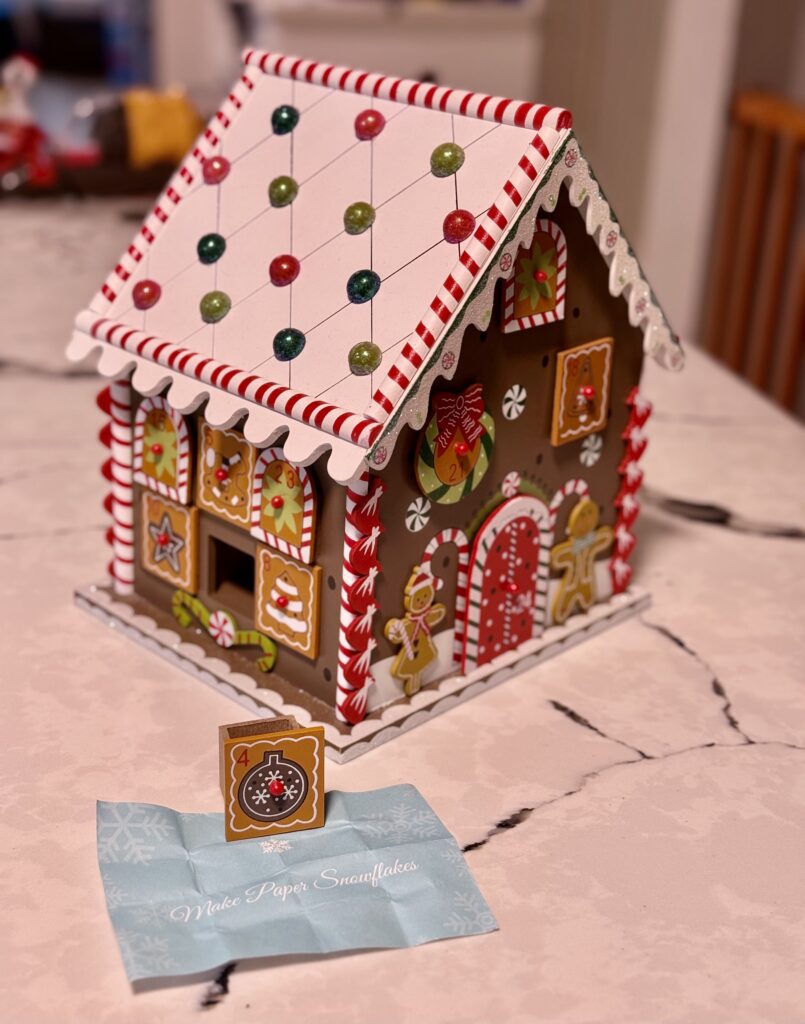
[[497, 109]]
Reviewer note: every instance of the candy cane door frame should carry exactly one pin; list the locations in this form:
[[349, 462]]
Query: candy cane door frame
[[509, 571]]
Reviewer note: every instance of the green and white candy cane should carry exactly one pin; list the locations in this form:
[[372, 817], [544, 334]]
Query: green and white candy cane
[[223, 628]]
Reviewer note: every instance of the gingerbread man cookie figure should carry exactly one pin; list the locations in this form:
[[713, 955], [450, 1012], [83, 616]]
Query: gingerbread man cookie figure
[[576, 556], [413, 630]]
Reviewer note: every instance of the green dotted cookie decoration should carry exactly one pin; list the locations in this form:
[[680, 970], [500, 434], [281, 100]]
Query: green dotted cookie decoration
[[282, 191], [455, 447]]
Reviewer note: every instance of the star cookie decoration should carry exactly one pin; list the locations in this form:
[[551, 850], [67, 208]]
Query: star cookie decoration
[[167, 543]]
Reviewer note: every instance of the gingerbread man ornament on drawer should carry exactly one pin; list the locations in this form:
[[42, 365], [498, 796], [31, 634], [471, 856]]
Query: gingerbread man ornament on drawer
[[576, 556], [413, 630]]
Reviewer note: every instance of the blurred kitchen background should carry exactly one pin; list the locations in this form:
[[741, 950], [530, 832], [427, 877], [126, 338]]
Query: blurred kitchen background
[[692, 113]]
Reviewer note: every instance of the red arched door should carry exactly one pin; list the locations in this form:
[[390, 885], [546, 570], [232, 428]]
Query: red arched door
[[508, 580]]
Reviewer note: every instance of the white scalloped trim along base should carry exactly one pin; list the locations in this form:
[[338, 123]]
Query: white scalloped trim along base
[[396, 718]]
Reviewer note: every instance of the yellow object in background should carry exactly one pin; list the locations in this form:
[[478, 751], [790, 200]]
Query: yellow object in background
[[161, 126]]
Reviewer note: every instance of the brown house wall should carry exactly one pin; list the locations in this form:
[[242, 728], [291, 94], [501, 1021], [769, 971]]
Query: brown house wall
[[527, 358]]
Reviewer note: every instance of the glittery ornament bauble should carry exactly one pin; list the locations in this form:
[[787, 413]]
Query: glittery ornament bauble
[[446, 159], [362, 286], [282, 191], [458, 226], [358, 217], [214, 306], [145, 294], [369, 124], [214, 169], [211, 247], [364, 358], [283, 270], [288, 343], [284, 119]]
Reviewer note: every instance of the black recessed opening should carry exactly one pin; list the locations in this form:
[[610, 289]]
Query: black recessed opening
[[231, 575], [539, 458], [545, 360], [446, 562], [331, 582], [328, 675], [576, 312]]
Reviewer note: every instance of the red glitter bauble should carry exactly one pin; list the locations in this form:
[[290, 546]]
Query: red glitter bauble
[[157, 449], [221, 474], [162, 539], [462, 448], [214, 169], [540, 276], [282, 601], [283, 270], [458, 226], [277, 501], [369, 124], [276, 787], [146, 294]]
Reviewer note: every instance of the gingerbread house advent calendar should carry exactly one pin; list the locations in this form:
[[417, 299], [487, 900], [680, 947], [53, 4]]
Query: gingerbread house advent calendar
[[374, 422]]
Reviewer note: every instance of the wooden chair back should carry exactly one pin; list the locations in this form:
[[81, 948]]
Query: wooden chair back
[[754, 305]]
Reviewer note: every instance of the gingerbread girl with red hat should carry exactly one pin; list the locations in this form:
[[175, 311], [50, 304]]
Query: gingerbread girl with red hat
[[413, 630]]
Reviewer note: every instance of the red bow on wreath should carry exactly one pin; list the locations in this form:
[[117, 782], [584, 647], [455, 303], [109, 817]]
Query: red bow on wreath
[[454, 411]]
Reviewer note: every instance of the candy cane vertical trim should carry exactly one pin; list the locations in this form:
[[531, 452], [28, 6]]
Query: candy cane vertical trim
[[344, 688], [503, 516], [304, 551], [570, 487], [120, 473], [459, 538], [181, 492], [626, 503], [510, 321]]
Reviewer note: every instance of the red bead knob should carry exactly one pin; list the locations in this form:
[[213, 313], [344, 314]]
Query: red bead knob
[[540, 276], [277, 501], [282, 601], [162, 539], [369, 124], [462, 448], [511, 587], [587, 392], [157, 449], [458, 226], [283, 270], [214, 169], [145, 294], [221, 474], [276, 787]]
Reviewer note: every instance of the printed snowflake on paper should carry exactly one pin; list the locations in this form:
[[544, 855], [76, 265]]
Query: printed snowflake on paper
[[404, 822], [471, 915], [275, 846], [129, 833], [152, 914], [261, 796], [455, 858], [144, 954], [115, 896]]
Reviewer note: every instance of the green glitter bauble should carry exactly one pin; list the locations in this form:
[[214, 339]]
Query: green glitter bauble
[[364, 358], [362, 286], [211, 247], [446, 159], [214, 307], [288, 343], [282, 191], [284, 119], [358, 217]]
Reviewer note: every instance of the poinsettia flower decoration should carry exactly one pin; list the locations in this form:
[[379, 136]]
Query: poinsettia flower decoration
[[159, 449], [287, 510], [537, 276]]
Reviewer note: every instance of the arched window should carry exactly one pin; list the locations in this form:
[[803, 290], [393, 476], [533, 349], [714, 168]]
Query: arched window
[[283, 505], [162, 450], [535, 293]]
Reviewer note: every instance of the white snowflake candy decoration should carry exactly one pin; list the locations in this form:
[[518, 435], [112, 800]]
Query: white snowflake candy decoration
[[417, 514], [511, 484], [514, 402], [591, 448]]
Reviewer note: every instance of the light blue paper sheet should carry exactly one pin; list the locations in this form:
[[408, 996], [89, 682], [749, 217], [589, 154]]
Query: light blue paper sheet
[[383, 872]]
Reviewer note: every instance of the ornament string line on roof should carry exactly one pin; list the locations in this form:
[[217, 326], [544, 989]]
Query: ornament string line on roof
[[419, 94]]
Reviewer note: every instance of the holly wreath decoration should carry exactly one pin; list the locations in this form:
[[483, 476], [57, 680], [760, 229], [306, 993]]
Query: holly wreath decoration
[[456, 445]]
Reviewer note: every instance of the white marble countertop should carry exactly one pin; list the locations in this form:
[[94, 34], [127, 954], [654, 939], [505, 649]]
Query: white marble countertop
[[634, 810]]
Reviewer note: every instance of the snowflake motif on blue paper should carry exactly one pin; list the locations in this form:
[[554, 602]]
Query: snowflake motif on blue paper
[[455, 858], [144, 954], [404, 822], [275, 846], [152, 914], [128, 833], [470, 916], [115, 896]]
